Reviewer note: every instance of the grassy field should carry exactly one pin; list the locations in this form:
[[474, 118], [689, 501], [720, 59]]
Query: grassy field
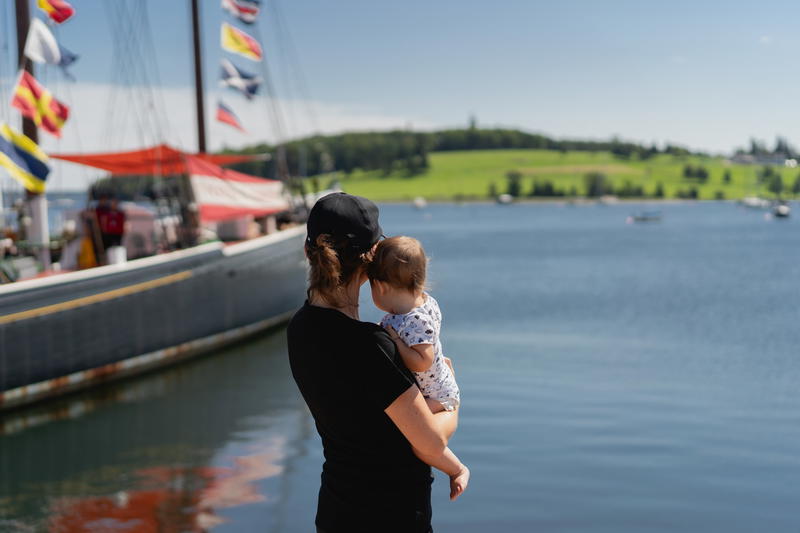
[[468, 175]]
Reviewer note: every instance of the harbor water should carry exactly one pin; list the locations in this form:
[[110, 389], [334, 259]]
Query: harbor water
[[615, 378]]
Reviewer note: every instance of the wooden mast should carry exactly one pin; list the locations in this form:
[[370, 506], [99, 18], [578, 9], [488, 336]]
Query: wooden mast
[[198, 79], [38, 232], [23, 22]]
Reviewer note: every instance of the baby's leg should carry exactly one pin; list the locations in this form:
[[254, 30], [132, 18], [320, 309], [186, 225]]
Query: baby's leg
[[434, 406]]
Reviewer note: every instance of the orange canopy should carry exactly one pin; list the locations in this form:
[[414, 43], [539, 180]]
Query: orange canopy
[[161, 160]]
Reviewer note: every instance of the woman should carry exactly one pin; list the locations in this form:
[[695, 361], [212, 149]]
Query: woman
[[365, 403]]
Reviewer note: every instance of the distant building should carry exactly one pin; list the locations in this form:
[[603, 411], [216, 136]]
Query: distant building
[[764, 159]]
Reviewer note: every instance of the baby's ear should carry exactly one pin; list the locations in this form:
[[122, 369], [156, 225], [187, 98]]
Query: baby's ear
[[379, 285]]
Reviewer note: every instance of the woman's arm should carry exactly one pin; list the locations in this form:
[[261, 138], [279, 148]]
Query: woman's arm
[[427, 432]]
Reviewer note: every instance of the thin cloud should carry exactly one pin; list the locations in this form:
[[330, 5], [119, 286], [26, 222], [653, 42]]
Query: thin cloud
[[94, 126], [765, 40]]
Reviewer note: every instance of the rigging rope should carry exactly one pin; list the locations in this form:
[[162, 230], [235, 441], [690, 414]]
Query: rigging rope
[[285, 36]]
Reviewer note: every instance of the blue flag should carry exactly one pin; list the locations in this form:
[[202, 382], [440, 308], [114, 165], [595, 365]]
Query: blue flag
[[235, 78], [23, 159]]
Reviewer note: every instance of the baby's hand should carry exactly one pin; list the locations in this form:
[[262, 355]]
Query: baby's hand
[[459, 482], [394, 335]]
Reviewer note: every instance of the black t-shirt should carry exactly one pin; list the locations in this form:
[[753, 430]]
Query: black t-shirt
[[349, 372]]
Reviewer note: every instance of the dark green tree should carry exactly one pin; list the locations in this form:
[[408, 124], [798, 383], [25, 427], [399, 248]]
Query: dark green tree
[[726, 177], [775, 184], [514, 178], [796, 185], [597, 184], [765, 173]]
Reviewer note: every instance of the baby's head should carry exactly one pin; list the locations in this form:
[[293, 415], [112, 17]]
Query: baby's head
[[397, 271]]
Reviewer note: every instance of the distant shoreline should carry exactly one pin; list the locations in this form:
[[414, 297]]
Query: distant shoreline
[[561, 201]]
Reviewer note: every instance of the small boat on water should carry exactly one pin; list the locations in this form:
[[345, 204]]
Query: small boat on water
[[755, 202], [505, 199], [781, 210], [644, 217]]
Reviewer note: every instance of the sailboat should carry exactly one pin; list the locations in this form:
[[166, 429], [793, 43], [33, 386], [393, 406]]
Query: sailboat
[[64, 331]]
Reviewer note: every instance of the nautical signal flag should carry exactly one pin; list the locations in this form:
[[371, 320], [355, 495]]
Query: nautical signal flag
[[36, 103], [238, 42], [244, 10], [236, 78], [225, 115], [58, 10], [42, 47], [23, 159]]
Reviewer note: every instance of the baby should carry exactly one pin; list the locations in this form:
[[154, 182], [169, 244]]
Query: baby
[[397, 279]]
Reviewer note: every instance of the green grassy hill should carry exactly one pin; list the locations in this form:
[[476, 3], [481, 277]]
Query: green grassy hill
[[469, 174]]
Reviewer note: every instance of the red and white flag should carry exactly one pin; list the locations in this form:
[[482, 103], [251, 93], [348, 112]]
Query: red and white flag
[[227, 116], [244, 10]]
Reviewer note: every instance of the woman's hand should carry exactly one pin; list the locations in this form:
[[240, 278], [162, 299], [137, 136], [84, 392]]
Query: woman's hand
[[449, 363]]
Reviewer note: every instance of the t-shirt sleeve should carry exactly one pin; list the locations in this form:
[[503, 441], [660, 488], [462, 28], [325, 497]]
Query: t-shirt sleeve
[[381, 380], [418, 328]]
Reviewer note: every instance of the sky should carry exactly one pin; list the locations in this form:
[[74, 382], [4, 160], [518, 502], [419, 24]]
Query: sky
[[708, 75]]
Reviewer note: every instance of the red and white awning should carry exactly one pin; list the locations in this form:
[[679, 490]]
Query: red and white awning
[[223, 194], [220, 193]]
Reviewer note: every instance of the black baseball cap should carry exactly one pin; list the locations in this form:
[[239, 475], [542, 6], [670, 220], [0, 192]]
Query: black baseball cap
[[344, 216]]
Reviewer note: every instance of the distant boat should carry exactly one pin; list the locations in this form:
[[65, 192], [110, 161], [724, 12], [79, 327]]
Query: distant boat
[[420, 202], [505, 199], [644, 216], [754, 202], [781, 210]]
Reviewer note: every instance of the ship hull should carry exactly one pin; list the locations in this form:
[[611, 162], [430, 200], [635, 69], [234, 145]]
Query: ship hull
[[75, 330]]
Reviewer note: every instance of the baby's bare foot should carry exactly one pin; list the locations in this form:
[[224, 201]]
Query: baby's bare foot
[[458, 483]]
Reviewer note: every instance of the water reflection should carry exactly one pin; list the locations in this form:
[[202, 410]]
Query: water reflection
[[170, 451], [170, 499]]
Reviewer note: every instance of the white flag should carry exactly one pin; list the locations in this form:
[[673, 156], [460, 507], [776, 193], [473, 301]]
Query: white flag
[[41, 46]]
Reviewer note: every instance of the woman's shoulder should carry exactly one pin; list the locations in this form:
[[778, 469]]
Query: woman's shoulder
[[311, 319], [374, 333]]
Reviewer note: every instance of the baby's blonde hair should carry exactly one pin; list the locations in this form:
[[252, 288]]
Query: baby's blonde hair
[[400, 262]]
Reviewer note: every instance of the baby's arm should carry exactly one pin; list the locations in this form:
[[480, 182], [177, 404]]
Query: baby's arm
[[417, 358]]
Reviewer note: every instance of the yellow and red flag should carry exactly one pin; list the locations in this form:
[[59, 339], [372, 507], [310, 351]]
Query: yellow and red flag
[[238, 42], [58, 10], [36, 103]]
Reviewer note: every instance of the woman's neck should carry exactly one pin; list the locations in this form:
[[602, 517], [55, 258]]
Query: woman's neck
[[347, 300]]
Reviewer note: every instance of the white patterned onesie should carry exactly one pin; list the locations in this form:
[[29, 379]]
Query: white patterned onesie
[[422, 325]]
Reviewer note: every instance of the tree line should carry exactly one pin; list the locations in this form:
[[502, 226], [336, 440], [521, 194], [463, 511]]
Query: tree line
[[597, 184], [407, 152]]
